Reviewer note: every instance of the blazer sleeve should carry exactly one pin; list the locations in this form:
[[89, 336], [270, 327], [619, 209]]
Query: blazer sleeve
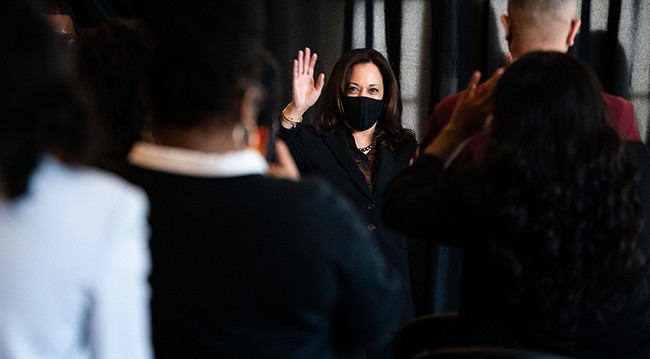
[[295, 140], [120, 322], [421, 203]]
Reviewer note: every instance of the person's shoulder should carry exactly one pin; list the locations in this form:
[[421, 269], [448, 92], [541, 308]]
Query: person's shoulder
[[86, 178], [90, 195], [609, 98], [622, 113], [408, 144], [88, 189], [617, 105]]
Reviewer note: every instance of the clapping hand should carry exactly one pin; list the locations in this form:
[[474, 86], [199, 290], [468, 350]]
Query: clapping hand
[[473, 111], [471, 117]]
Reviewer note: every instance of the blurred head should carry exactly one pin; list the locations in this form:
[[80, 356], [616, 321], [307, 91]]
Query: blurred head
[[540, 25], [362, 73], [206, 63], [112, 62], [60, 17], [39, 108], [547, 102]]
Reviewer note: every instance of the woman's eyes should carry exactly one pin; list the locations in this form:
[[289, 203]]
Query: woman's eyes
[[373, 90]]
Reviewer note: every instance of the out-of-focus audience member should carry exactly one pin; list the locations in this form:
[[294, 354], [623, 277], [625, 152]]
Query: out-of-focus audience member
[[551, 224], [244, 265], [60, 17], [73, 251], [112, 63], [531, 25]]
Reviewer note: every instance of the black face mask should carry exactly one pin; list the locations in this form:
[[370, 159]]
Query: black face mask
[[361, 112]]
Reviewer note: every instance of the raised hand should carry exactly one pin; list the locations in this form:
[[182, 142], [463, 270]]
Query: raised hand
[[470, 118], [305, 92], [473, 112]]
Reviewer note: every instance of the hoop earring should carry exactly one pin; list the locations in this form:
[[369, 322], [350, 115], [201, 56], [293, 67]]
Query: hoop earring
[[240, 136]]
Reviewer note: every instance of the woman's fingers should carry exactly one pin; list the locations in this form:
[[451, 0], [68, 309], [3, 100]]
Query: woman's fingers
[[473, 83], [485, 90], [320, 82], [300, 62], [306, 60], [312, 63], [295, 69]]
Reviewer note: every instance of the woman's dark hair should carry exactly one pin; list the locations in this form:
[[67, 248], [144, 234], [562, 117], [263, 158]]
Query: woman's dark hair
[[39, 108], [389, 131], [566, 189], [112, 63]]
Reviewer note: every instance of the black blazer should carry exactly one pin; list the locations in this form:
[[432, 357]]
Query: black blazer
[[251, 267], [330, 158]]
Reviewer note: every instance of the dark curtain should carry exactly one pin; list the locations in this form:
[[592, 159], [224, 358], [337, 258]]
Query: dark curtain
[[464, 36]]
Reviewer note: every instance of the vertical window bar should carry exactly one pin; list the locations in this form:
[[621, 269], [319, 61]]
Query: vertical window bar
[[370, 24]]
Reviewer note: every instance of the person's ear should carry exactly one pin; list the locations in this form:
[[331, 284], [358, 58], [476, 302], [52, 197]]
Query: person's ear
[[505, 22], [573, 32]]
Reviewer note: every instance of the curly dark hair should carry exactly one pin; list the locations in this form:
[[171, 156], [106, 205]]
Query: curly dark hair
[[40, 108], [567, 192], [389, 131], [112, 63]]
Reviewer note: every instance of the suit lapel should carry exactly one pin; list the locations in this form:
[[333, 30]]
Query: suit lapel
[[385, 170], [338, 145]]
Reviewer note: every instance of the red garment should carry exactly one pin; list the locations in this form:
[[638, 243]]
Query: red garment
[[621, 110]]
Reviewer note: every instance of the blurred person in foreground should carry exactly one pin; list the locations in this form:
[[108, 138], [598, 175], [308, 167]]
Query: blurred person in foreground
[[244, 265], [551, 224], [112, 62], [73, 251]]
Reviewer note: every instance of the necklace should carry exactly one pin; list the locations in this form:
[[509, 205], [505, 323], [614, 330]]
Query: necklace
[[369, 147]]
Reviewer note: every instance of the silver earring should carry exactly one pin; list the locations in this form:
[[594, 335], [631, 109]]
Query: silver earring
[[240, 136]]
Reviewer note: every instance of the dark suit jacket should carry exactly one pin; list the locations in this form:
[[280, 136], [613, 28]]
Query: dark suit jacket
[[253, 267], [460, 213], [330, 158]]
